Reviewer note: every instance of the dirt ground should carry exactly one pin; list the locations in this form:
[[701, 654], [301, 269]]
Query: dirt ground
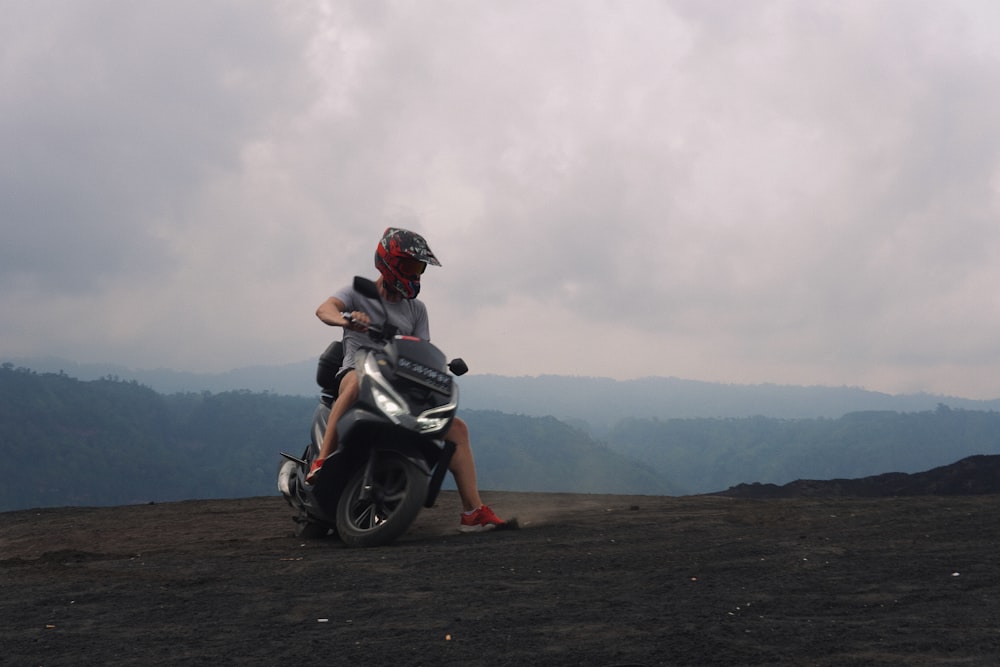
[[587, 580]]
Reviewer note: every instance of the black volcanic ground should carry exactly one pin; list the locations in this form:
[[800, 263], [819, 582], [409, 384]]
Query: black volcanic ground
[[891, 570]]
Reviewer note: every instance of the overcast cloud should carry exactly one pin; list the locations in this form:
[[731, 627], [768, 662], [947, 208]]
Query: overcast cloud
[[789, 192]]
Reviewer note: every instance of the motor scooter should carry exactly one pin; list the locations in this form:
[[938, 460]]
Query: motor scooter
[[392, 457]]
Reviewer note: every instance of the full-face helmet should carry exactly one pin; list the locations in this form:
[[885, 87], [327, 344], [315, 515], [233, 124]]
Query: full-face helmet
[[401, 257]]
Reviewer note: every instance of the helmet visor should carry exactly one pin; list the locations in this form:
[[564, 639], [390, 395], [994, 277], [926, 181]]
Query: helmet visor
[[410, 267]]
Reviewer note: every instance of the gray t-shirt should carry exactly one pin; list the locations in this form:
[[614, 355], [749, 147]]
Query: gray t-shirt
[[409, 316]]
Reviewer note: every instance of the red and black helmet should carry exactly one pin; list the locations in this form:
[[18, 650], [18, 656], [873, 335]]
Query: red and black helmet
[[401, 257]]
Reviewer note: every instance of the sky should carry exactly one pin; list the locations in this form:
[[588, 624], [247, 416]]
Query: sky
[[790, 192]]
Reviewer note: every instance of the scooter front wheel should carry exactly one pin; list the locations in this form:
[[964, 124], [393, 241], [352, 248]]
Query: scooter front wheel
[[375, 516]]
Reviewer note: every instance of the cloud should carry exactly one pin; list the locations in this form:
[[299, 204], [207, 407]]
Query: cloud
[[767, 191]]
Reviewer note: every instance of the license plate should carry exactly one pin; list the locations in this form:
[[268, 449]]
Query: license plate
[[425, 375]]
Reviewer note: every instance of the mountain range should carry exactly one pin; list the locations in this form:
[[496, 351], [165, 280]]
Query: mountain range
[[593, 403], [124, 437]]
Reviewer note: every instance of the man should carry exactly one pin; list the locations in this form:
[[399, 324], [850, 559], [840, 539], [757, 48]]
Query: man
[[401, 258]]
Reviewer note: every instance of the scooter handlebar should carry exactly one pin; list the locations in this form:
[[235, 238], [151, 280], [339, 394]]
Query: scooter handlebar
[[374, 330]]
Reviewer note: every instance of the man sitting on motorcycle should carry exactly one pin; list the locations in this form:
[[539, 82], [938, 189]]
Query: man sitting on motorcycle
[[401, 258]]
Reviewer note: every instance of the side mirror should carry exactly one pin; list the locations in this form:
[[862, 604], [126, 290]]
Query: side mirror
[[458, 366], [366, 287]]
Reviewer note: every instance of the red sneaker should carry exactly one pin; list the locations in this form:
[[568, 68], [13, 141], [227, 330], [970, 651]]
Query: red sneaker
[[480, 520], [313, 469]]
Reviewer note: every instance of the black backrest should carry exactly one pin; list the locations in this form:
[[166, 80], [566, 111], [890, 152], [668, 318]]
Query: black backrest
[[329, 365]]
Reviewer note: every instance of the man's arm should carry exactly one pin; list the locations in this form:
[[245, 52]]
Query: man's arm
[[331, 312]]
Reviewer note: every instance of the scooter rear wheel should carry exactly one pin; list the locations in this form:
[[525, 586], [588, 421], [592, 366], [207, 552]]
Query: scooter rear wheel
[[377, 516]]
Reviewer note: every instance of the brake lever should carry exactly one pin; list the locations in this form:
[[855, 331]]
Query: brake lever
[[373, 330]]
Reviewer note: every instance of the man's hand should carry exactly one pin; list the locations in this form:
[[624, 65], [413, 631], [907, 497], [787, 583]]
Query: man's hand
[[356, 321]]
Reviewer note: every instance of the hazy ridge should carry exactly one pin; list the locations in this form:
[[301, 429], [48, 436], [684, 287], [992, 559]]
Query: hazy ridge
[[115, 440], [595, 402]]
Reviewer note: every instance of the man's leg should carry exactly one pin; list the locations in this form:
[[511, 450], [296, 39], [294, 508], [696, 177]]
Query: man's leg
[[477, 516], [346, 397], [463, 466]]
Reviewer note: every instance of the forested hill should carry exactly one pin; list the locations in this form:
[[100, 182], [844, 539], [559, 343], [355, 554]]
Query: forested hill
[[66, 441], [707, 455], [108, 442]]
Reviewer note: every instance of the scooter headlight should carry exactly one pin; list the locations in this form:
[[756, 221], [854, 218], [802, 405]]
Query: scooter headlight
[[387, 404], [386, 400], [437, 419], [431, 424]]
